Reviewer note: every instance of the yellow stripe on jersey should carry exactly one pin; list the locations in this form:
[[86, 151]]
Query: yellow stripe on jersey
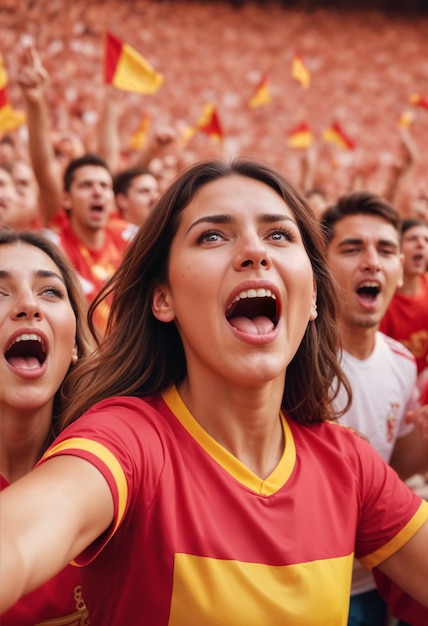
[[109, 460], [421, 516], [230, 463], [212, 591]]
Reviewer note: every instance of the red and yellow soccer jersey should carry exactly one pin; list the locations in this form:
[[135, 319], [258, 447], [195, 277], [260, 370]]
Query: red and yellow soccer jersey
[[58, 602], [94, 266], [406, 320], [198, 538]]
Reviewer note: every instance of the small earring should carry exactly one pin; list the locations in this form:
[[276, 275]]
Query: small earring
[[74, 359]]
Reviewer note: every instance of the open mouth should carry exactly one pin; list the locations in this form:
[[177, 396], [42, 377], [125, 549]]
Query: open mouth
[[253, 311], [368, 291], [26, 352]]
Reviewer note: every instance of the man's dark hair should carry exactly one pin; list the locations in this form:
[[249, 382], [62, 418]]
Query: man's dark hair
[[358, 203], [410, 223], [122, 181], [75, 164]]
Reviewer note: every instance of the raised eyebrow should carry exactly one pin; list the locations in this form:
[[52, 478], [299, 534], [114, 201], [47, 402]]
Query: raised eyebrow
[[224, 218], [37, 274], [49, 274], [276, 217]]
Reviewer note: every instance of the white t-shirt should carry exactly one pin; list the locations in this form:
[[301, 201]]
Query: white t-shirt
[[383, 390]]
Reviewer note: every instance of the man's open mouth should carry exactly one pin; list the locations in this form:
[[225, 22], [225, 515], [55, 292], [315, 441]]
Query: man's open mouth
[[368, 291]]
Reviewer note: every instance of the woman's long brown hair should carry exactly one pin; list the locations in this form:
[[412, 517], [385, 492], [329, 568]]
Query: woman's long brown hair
[[141, 356]]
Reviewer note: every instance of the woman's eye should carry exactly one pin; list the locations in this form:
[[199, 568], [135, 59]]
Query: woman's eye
[[53, 292], [281, 234], [210, 236]]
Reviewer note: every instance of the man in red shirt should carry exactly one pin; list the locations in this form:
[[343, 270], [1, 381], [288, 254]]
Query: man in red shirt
[[93, 243]]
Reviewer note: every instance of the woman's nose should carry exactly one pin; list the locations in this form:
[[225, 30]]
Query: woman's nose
[[253, 254], [27, 306]]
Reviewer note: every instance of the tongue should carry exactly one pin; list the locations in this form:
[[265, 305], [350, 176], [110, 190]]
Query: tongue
[[367, 297], [24, 363], [256, 326]]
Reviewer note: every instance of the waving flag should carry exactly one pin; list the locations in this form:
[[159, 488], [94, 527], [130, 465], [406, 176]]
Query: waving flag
[[418, 100], [300, 136], [126, 69], [10, 119], [209, 122], [336, 135], [300, 72], [262, 95]]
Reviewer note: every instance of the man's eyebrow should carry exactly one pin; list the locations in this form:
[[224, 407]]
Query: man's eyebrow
[[348, 240], [359, 241]]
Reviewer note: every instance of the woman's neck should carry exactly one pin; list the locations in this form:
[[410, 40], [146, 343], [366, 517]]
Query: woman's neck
[[247, 424]]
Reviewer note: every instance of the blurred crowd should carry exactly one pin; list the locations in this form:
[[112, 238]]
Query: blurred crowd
[[364, 66]]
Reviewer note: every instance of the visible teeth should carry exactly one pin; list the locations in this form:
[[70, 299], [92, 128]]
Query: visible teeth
[[26, 337], [373, 285], [255, 293]]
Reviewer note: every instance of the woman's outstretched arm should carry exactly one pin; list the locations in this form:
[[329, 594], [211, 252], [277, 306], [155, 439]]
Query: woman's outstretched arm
[[47, 518]]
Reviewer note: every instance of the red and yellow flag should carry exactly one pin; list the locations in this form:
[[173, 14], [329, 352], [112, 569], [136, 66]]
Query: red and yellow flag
[[126, 69], [261, 95], [336, 135], [10, 119], [300, 136], [418, 100], [209, 122], [300, 72], [139, 138]]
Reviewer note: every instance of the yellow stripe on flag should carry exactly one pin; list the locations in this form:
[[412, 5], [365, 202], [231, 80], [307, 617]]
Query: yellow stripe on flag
[[134, 73], [10, 119], [261, 96], [300, 72]]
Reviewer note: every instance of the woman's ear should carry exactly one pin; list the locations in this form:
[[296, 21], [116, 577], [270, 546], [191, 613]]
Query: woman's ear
[[161, 305], [74, 355]]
